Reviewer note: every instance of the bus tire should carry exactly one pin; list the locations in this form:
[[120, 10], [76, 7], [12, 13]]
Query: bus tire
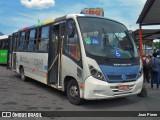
[[23, 77], [73, 93]]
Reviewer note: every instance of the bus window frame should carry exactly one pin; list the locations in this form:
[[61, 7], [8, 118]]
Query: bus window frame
[[39, 38], [21, 41], [3, 45], [35, 39]]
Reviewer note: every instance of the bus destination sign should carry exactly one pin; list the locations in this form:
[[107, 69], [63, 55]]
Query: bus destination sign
[[93, 11]]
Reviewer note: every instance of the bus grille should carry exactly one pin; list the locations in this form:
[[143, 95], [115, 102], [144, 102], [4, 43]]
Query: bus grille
[[119, 77]]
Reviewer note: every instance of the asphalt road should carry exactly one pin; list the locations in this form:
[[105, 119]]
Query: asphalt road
[[16, 95]]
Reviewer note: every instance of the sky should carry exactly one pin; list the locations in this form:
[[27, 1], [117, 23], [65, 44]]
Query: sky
[[17, 14]]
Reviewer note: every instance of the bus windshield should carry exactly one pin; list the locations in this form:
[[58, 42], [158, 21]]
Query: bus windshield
[[106, 38]]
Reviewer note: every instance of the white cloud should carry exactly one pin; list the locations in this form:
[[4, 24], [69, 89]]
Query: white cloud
[[24, 19], [38, 4]]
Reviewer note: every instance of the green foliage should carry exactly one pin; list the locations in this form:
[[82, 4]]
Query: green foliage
[[157, 45]]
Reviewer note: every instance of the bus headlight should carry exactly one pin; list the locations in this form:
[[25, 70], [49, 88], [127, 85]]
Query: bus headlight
[[95, 73]]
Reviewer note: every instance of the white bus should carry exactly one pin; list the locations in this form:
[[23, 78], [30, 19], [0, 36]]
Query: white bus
[[88, 57]]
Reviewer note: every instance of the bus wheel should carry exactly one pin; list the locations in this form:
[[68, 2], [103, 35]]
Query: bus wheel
[[73, 93], [23, 77]]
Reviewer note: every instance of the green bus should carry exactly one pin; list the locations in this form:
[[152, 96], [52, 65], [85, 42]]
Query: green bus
[[4, 49]]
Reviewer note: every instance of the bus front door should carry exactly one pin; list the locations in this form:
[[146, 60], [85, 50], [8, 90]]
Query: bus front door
[[55, 54]]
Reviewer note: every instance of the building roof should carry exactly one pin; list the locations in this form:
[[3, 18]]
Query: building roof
[[150, 14], [148, 35]]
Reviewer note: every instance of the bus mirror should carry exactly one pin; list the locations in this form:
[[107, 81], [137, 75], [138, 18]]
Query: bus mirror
[[70, 28]]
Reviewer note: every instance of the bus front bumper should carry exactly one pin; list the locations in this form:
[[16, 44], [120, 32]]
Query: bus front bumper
[[98, 89]]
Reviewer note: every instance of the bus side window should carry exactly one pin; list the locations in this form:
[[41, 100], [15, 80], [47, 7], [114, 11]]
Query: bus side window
[[44, 39], [1, 45], [39, 31], [26, 40], [15, 43], [5, 46], [31, 46], [21, 41], [72, 47]]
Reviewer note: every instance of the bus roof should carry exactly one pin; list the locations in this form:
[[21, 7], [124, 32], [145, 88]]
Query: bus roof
[[62, 18], [85, 15], [3, 37]]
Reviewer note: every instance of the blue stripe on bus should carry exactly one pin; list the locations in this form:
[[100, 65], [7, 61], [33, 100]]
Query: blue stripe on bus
[[119, 71]]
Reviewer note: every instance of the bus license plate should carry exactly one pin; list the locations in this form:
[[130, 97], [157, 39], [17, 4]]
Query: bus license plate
[[123, 87]]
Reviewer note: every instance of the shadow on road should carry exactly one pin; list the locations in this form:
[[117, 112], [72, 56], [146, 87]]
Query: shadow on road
[[111, 103], [3, 65], [43, 87]]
